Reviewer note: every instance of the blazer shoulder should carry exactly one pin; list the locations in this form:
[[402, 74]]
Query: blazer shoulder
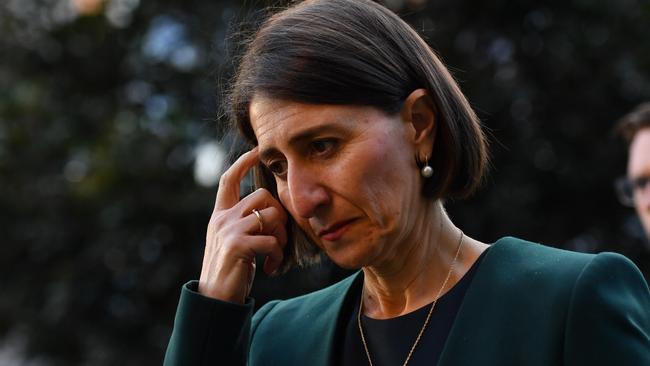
[[611, 274], [557, 306], [608, 321], [521, 267], [529, 260]]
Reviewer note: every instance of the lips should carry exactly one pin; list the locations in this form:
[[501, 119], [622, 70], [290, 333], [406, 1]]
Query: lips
[[336, 230]]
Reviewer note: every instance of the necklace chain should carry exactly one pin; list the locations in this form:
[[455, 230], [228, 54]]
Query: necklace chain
[[426, 321]]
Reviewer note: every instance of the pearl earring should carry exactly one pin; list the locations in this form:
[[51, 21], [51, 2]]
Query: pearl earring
[[427, 170]]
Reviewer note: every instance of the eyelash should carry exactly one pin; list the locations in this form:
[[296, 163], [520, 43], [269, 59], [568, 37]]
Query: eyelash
[[331, 145], [315, 149]]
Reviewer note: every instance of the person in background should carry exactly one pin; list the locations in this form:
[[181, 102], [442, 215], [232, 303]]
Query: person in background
[[634, 188]]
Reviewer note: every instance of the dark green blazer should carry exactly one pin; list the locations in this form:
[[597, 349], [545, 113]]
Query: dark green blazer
[[527, 305]]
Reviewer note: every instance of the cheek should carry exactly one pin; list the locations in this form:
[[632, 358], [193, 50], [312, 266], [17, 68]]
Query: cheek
[[389, 168], [386, 181]]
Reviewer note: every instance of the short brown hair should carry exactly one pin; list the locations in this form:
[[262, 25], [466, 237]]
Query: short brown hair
[[357, 52], [631, 123]]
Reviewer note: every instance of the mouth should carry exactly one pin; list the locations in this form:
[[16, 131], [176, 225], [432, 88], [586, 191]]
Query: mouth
[[336, 230]]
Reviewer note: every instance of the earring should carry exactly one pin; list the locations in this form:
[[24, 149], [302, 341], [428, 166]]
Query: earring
[[427, 170]]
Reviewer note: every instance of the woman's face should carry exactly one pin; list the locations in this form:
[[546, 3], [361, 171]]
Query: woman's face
[[346, 174]]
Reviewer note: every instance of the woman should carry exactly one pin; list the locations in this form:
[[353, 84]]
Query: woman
[[360, 133]]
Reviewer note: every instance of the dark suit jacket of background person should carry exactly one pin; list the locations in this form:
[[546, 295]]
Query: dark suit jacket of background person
[[527, 305]]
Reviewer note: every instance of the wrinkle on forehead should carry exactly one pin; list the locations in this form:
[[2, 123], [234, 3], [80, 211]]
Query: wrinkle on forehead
[[276, 122], [266, 113]]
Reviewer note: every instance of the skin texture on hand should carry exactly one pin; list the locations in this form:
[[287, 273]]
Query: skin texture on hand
[[233, 237]]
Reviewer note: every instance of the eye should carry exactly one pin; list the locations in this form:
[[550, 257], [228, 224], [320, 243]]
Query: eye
[[277, 167], [323, 147]]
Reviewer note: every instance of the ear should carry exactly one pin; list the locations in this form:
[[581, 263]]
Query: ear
[[419, 116]]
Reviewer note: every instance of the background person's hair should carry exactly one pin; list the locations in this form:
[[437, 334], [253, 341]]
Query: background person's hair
[[356, 52], [639, 118]]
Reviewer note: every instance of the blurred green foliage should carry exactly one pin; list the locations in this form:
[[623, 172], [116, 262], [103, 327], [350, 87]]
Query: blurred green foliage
[[104, 105]]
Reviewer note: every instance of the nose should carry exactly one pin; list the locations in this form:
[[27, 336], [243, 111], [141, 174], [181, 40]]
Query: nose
[[305, 191]]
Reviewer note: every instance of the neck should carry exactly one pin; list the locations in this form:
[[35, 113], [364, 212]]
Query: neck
[[413, 275]]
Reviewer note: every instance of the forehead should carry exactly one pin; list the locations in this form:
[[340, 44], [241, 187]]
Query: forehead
[[276, 121], [639, 160], [270, 116]]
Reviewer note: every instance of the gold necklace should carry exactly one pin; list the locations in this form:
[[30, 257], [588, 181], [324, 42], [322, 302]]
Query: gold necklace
[[426, 321]]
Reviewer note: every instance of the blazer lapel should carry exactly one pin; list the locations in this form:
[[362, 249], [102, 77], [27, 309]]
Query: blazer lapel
[[324, 332], [464, 342]]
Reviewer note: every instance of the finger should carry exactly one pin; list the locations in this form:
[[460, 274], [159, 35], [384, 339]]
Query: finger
[[228, 192], [267, 245], [260, 199], [273, 223]]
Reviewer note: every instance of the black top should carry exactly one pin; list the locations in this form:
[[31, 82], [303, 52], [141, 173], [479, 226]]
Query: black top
[[389, 340]]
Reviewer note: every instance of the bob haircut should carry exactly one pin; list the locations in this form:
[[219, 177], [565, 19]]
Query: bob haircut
[[357, 52]]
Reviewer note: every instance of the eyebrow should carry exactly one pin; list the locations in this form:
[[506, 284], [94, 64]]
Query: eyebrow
[[304, 135]]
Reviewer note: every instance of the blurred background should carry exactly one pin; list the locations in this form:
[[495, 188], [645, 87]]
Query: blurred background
[[111, 146]]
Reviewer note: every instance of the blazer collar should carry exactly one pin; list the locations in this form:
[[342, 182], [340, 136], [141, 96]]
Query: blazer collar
[[473, 308], [322, 349]]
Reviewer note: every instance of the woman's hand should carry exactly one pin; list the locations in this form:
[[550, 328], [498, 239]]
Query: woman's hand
[[234, 236]]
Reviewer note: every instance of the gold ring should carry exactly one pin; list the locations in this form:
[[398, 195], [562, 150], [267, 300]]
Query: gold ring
[[259, 219]]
